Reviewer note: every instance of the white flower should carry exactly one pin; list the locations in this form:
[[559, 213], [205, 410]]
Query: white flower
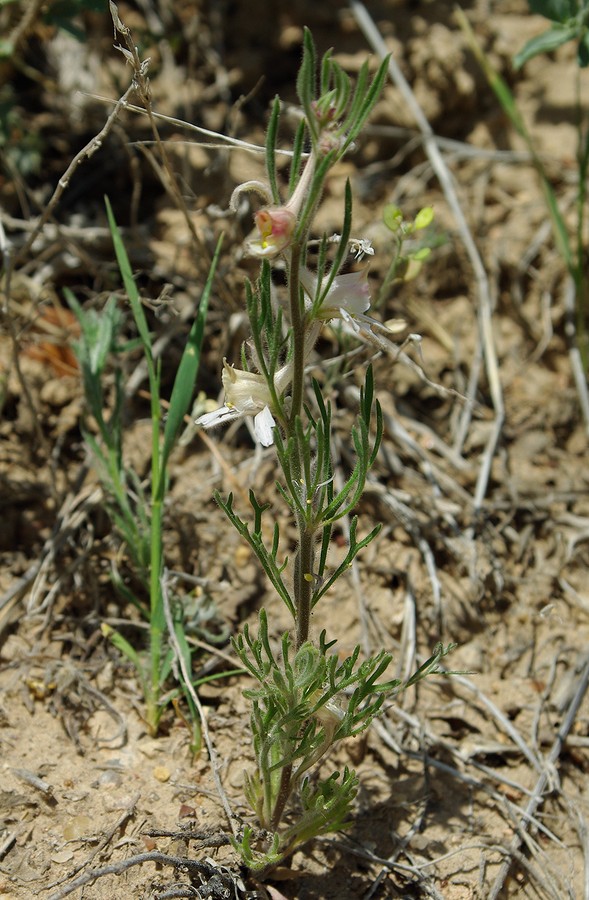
[[347, 298], [361, 247], [247, 394]]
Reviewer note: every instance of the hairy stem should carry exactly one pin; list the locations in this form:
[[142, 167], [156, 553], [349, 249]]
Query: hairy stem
[[303, 586], [297, 319]]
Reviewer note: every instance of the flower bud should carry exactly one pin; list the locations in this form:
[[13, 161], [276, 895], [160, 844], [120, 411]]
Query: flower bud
[[276, 225]]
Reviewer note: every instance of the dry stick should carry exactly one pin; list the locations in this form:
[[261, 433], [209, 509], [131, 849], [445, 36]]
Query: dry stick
[[59, 535], [222, 141], [21, 30], [453, 771], [127, 813], [417, 868], [71, 515], [141, 82], [390, 865], [447, 183], [405, 515], [520, 815], [471, 389], [538, 793], [575, 354], [195, 699], [85, 153], [503, 722], [161, 859]]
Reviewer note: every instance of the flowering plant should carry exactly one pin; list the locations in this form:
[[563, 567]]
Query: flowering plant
[[305, 697]]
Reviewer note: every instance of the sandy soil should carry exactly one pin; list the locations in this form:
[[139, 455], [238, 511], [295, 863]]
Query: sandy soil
[[448, 773]]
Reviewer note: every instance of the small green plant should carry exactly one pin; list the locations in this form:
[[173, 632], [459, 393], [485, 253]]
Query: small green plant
[[570, 21], [405, 264], [136, 512], [305, 697]]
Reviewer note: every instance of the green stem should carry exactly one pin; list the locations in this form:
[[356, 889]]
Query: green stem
[[581, 291], [297, 318], [157, 621], [303, 586], [391, 273]]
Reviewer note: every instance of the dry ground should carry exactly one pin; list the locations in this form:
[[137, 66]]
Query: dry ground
[[496, 563]]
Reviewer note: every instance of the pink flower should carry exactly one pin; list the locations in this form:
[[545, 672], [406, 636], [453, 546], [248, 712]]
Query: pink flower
[[276, 225]]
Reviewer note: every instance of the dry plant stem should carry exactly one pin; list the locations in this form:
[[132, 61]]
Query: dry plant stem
[[502, 720], [141, 84], [85, 153], [447, 183], [390, 865], [162, 859], [127, 813], [20, 31], [456, 772], [575, 357], [284, 792], [220, 139], [543, 780]]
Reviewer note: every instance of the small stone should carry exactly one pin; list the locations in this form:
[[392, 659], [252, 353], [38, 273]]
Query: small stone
[[62, 856], [76, 828]]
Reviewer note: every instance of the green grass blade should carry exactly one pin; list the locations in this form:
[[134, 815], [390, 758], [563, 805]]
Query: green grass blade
[[128, 280], [507, 101], [188, 368]]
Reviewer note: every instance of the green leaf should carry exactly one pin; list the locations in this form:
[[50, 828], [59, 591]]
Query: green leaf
[[187, 370], [423, 218], [123, 646], [297, 152], [128, 279], [306, 81], [545, 43], [271, 150], [392, 217], [555, 10], [421, 254], [369, 102], [583, 51]]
